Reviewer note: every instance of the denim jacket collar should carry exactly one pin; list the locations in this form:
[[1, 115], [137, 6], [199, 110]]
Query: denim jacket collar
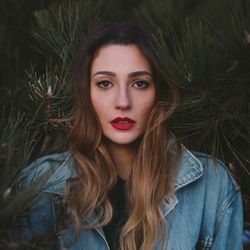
[[189, 170], [57, 181]]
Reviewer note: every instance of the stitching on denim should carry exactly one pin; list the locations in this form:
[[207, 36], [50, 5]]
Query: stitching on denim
[[206, 242], [224, 208]]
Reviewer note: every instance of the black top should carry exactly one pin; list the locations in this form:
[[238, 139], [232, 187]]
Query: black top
[[118, 202]]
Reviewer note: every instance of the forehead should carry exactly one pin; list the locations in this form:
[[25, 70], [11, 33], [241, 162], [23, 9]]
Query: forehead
[[120, 58]]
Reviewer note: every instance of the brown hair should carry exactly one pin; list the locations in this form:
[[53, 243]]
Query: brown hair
[[151, 177]]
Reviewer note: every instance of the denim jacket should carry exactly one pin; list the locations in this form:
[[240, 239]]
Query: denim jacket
[[204, 212]]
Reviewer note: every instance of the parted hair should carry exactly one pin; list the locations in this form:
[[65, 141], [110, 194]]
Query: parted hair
[[152, 174]]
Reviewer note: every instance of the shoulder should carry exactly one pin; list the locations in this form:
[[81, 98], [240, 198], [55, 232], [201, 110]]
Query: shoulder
[[215, 173], [222, 195], [213, 192], [200, 167], [51, 170], [208, 181]]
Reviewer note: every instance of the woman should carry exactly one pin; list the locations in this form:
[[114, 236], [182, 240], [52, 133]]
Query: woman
[[126, 183]]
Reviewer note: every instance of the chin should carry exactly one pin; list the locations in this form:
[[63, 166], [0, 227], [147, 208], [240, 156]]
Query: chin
[[122, 142], [122, 139]]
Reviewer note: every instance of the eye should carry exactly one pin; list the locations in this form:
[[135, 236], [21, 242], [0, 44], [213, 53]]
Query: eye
[[140, 84], [104, 84]]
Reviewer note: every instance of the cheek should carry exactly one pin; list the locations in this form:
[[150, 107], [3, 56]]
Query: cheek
[[148, 101], [95, 104], [145, 107], [97, 109], [100, 107]]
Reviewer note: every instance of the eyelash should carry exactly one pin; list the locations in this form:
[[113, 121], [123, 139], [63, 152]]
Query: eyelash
[[100, 84], [145, 84]]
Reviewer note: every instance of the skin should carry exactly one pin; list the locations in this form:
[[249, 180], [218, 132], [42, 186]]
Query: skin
[[122, 86]]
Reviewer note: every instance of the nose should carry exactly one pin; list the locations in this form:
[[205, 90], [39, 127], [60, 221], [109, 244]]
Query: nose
[[122, 101]]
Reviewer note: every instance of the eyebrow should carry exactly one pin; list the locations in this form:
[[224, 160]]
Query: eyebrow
[[132, 74]]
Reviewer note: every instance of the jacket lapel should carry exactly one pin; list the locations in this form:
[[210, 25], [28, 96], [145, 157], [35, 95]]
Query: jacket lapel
[[189, 170]]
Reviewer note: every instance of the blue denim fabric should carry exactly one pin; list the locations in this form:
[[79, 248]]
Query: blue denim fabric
[[204, 212]]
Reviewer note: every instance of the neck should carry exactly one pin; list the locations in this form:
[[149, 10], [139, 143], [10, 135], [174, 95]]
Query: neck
[[123, 156]]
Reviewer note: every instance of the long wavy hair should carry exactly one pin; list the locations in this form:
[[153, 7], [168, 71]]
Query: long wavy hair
[[152, 176]]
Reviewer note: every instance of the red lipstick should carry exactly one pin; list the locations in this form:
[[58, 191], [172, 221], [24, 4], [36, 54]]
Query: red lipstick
[[122, 123]]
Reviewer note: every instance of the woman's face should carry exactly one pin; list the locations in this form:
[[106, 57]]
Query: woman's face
[[122, 92]]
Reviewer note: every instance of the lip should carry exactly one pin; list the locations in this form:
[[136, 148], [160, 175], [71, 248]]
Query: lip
[[122, 123]]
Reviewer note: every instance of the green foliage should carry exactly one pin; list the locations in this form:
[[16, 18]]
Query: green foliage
[[59, 29], [206, 53]]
